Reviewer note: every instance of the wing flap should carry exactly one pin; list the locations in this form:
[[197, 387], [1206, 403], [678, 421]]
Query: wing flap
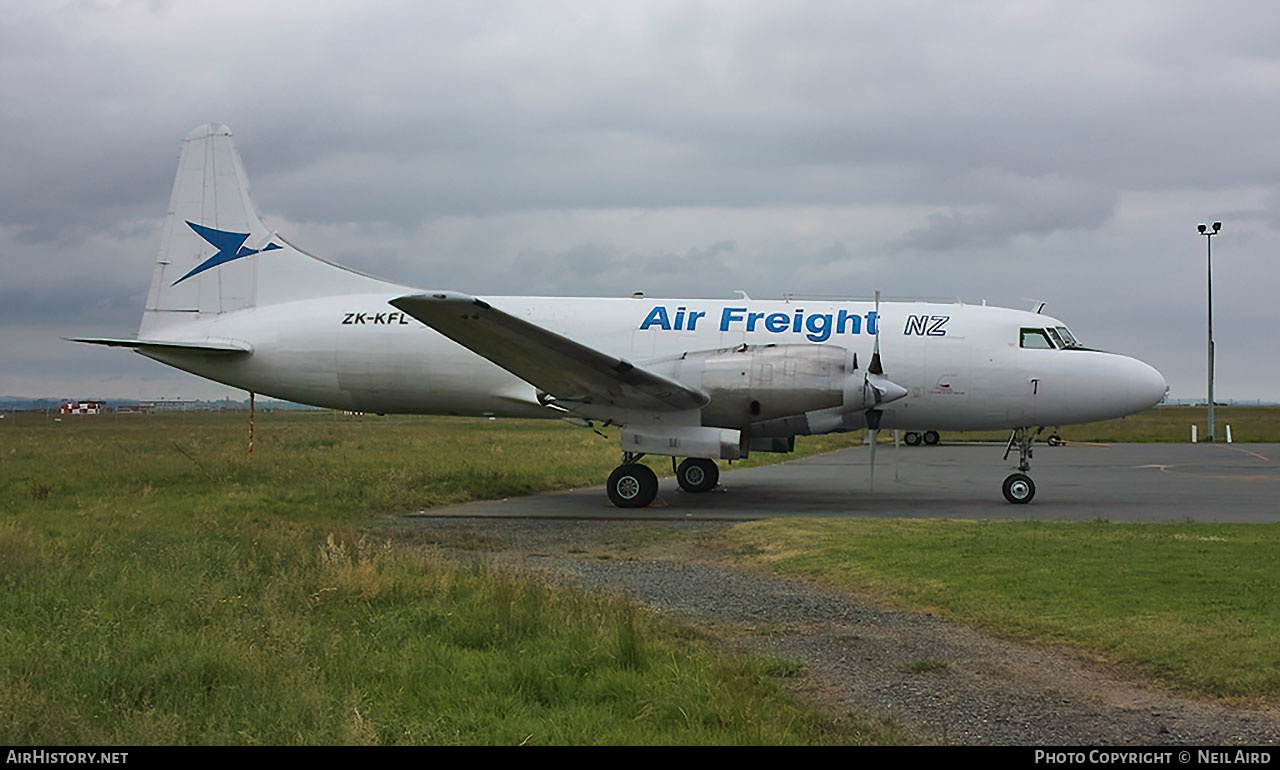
[[567, 370]]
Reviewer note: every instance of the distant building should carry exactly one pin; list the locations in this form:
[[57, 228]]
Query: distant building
[[174, 405], [82, 407], [132, 409]]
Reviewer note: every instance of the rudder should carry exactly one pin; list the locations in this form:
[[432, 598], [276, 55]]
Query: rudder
[[212, 228], [212, 221]]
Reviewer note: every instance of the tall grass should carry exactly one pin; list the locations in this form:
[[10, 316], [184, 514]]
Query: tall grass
[[156, 586]]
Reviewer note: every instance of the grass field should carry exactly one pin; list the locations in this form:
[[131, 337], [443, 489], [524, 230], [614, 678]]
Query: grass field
[[1249, 424], [158, 587], [1195, 606]]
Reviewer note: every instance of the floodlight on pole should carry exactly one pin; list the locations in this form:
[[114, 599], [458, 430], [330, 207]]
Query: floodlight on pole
[[1208, 240]]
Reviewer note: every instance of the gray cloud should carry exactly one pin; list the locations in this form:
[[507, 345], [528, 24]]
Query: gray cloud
[[1021, 207], [1062, 150]]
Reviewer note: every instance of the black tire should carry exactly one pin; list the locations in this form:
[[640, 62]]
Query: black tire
[[697, 474], [1019, 488], [632, 486], [1055, 440], [931, 437], [912, 438]]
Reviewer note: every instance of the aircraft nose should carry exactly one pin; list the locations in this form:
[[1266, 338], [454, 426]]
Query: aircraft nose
[[1146, 385]]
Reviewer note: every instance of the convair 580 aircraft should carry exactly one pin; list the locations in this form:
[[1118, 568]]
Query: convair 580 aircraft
[[701, 379]]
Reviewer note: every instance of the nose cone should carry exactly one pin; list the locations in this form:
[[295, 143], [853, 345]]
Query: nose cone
[[1145, 386], [1094, 385]]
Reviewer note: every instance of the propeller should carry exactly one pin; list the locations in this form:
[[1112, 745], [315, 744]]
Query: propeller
[[874, 391], [878, 390]]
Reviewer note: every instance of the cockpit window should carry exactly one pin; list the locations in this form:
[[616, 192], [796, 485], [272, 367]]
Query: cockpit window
[[1056, 337], [1036, 338], [1067, 337]]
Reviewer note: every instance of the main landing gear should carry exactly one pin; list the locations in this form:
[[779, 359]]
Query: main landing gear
[[632, 485], [929, 437], [697, 474], [1018, 487]]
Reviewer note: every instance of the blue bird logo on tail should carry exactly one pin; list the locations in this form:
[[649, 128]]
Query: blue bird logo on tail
[[229, 245]]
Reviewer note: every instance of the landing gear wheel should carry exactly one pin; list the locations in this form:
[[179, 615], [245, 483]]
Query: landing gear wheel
[[912, 439], [1054, 440], [1019, 488], [697, 474], [632, 486], [931, 437]]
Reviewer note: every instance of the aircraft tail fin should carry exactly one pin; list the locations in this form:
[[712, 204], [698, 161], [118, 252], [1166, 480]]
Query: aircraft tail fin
[[217, 255]]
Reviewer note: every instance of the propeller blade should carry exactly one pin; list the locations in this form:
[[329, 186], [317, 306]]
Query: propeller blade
[[873, 429], [876, 367], [897, 453], [875, 393], [875, 437]]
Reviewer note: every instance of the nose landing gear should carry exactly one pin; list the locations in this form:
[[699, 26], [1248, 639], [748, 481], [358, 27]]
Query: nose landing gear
[[1018, 487]]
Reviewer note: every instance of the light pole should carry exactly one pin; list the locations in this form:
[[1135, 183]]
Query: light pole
[[1208, 244]]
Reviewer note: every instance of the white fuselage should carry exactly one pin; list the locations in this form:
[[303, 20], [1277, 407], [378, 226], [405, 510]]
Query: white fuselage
[[702, 379], [963, 366]]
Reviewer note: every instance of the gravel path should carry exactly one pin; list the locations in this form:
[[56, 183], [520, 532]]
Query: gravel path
[[945, 682]]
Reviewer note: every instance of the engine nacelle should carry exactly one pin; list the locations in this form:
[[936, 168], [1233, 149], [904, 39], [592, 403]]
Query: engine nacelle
[[758, 383], [794, 389], [753, 383]]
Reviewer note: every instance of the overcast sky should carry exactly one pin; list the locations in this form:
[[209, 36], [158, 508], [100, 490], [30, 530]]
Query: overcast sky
[[1009, 151]]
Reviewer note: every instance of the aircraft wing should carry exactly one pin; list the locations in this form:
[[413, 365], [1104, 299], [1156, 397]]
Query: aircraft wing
[[567, 370]]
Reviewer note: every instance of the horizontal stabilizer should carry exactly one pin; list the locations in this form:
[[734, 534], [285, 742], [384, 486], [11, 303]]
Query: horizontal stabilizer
[[568, 371], [224, 346]]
